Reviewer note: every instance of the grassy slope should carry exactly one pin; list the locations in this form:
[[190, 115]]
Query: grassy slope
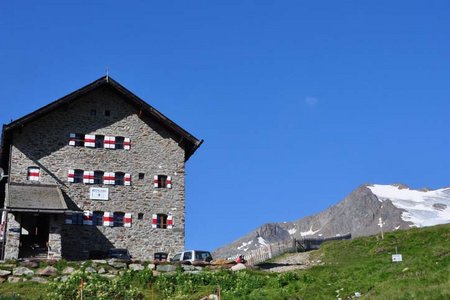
[[362, 265]]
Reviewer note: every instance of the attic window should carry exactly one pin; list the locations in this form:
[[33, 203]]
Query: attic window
[[140, 216], [99, 141], [33, 173], [119, 142], [141, 175], [107, 113]]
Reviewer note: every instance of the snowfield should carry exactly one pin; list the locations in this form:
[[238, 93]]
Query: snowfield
[[422, 208]]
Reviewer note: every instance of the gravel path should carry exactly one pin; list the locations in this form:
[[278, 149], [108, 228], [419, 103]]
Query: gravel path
[[289, 262]]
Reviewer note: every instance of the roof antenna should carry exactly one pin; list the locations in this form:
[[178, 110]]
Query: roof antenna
[[107, 74]]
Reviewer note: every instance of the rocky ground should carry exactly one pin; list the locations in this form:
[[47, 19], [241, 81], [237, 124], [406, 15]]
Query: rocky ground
[[290, 262]]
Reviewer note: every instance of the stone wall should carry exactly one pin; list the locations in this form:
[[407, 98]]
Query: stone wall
[[154, 151]]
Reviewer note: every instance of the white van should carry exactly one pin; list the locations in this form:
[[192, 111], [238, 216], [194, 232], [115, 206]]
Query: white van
[[192, 256]]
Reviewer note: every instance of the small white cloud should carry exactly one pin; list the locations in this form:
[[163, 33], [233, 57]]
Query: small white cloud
[[311, 101]]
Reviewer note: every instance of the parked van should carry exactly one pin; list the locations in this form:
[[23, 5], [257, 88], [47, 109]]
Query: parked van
[[192, 256]]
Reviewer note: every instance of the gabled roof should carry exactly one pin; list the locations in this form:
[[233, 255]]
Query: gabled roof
[[186, 140]]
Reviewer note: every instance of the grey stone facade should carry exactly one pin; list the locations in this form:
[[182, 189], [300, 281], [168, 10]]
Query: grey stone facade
[[155, 150]]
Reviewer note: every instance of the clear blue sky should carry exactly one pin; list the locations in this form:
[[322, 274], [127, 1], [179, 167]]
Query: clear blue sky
[[298, 102]]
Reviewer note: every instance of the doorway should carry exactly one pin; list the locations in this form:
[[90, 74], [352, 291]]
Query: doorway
[[34, 235]]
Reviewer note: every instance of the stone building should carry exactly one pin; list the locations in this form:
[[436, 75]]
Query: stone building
[[94, 170]]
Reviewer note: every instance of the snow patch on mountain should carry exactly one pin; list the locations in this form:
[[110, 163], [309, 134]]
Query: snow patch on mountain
[[422, 208], [262, 241], [309, 232], [292, 231], [244, 247]]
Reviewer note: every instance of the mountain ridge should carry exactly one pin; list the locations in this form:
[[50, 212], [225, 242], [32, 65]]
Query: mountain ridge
[[358, 214]]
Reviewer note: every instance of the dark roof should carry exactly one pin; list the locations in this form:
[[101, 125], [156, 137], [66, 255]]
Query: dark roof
[[186, 140], [34, 197]]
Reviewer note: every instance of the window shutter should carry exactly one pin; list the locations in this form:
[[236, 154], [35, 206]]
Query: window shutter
[[169, 221], [91, 176], [108, 219], [72, 139], [109, 178], [68, 219], [33, 174], [112, 142], [86, 175], [155, 181], [71, 176], [126, 144], [87, 217], [106, 142], [154, 221], [127, 179], [89, 140], [169, 182], [127, 220]]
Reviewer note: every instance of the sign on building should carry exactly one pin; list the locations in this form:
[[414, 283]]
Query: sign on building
[[99, 193]]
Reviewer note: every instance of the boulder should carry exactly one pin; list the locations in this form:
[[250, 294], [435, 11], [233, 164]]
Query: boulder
[[29, 264], [238, 267], [117, 264], [39, 279], [101, 271], [166, 268], [64, 278], [68, 270], [136, 267], [109, 276], [48, 271], [14, 279], [2, 279], [19, 271], [4, 273], [90, 270], [188, 267], [151, 266]]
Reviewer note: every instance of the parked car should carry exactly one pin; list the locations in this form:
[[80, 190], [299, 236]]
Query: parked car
[[192, 257], [119, 253]]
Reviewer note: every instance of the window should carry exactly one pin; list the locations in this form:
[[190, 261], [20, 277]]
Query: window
[[120, 178], [118, 218], [97, 218], [187, 255], [98, 177], [177, 257], [161, 221], [77, 219], [99, 141], [76, 139], [33, 173], [140, 216], [119, 142], [141, 175], [107, 113], [162, 181], [78, 176]]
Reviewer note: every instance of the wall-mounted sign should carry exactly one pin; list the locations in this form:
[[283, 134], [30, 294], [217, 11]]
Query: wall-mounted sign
[[397, 258], [99, 193]]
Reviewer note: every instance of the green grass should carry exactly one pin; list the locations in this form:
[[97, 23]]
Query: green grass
[[361, 265]]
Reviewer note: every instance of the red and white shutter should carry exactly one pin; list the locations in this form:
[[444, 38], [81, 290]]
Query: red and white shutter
[[72, 139], [126, 144], [33, 174], [71, 176], [154, 220], [155, 181], [68, 219], [89, 140], [108, 219], [127, 179], [106, 142], [127, 220], [169, 182], [87, 217], [88, 177], [169, 221], [109, 178], [112, 142]]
